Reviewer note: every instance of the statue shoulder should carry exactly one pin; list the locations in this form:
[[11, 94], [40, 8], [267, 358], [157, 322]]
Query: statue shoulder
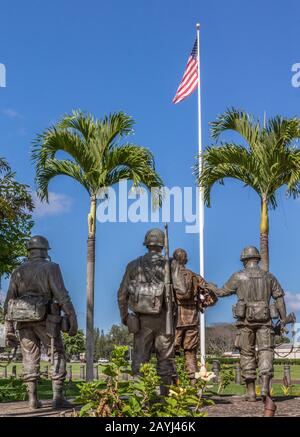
[[134, 263]]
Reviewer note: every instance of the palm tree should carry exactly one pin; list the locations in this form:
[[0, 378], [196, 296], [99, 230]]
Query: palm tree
[[269, 161], [98, 160]]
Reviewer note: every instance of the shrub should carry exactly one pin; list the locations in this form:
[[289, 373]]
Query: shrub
[[138, 397]]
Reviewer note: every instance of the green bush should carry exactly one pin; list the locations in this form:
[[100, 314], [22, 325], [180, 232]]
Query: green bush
[[138, 397], [14, 390]]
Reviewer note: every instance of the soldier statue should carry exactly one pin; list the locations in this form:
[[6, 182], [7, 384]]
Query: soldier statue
[[142, 292], [33, 305], [260, 299], [199, 295]]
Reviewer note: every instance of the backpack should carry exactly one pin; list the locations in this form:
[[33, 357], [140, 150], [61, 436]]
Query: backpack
[[27, 308], [146, 297]]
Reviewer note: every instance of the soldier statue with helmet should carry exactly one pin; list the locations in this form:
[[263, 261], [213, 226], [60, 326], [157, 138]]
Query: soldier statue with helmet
[[260, 299], [199, 295], [143, 307], [35, 298]]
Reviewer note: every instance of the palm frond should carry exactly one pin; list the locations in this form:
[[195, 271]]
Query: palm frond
[[227, 161], [238, 121], [80, 123], [283, 131], [58, 167], [54, 140], [114, 126]]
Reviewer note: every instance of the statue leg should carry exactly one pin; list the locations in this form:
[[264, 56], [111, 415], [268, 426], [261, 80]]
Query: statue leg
[[30, 348], [265, 345], [191, 346], [164, 348], [143, 344], [59, 372], [245, 342], [179, 333]]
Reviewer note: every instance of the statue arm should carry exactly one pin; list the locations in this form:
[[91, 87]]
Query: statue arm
[[229, 288], [59, 291], [278, 296], [11, 292]]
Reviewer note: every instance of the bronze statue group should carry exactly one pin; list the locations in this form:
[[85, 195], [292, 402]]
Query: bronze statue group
[[159, 301]]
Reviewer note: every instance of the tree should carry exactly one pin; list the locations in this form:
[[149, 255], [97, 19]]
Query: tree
[[74, 345], [98, 161], [220, 338], [268, 162], [15, 219], [104, 344]]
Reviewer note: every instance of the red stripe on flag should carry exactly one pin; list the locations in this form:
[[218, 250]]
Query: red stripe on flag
[[189, 79]]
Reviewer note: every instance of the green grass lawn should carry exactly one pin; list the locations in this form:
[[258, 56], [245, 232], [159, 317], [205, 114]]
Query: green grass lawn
[[45, 389], [13, 389], [234, 389]]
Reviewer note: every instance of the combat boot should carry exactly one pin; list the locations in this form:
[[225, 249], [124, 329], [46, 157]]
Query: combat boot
[[250, 395], [59, 400], [33, 401]]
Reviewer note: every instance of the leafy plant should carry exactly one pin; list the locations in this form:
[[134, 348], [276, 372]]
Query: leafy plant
[[139, 397], [226, 377], [286, 390], [14, 390]]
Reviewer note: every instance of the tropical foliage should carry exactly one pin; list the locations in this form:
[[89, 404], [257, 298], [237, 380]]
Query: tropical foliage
[[138, 397], [266, 161], [15, 219]]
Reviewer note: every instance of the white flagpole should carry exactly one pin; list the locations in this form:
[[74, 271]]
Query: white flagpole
[[201, 204]]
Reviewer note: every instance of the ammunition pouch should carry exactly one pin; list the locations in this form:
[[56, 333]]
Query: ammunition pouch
[[133, 324], [239, 310], [53, 325], [27, 308], [257, 312], [146, 298]]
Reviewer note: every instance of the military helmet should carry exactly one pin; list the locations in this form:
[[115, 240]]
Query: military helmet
[[250, 252], [38, 242], [180, 255], [154, 237]]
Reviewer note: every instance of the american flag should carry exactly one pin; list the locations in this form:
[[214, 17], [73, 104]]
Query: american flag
[[189, 81]]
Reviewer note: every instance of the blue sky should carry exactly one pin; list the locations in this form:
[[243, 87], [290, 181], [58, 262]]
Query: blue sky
[[108, 56]]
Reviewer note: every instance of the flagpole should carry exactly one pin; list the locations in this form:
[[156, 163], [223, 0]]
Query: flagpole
[[201, 204]]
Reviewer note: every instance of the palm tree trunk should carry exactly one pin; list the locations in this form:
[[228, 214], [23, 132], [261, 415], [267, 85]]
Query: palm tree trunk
[[264, 234], [90, 290]]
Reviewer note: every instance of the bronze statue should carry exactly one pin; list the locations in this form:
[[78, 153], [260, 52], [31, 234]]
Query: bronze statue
[[34, 300], [199, 295], [255, 288], [142, 291]]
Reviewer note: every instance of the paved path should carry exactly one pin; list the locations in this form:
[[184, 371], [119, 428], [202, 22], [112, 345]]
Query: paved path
[[20, 409], [230, 406], [235, 406]]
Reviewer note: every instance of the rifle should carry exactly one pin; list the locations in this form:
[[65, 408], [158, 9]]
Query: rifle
[[280, 329], [168, 288]]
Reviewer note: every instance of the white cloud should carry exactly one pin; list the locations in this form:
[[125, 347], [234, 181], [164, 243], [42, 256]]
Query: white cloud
[[11, 113], [292, 301], [58, 204]]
